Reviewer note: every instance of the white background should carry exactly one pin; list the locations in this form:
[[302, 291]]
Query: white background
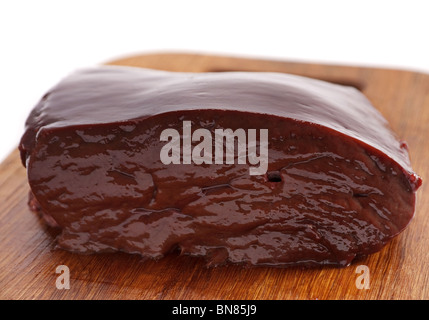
[[42, 41]]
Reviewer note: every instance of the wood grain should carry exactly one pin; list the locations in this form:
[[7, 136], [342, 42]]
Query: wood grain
[[28, 258]]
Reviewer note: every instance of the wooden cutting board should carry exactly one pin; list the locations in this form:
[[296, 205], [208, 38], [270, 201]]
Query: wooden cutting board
[[28, 258]]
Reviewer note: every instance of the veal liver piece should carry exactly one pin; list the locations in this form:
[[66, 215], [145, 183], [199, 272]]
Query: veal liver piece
[[338, 185]]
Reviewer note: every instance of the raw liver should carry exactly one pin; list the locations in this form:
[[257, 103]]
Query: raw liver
[[343, 185]]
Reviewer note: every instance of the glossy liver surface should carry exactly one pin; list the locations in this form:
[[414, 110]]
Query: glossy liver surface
[[339, 184]]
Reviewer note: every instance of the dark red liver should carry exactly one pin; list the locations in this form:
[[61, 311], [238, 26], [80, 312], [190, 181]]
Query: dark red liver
[[339, 183]]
